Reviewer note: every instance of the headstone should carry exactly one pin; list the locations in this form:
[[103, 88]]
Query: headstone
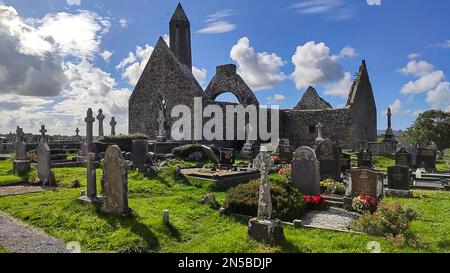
[[426, 158], [100, 118], [91, 176], [89, 130], [328, 155], [21, 165], [161, 137], [113, 124], [140, 151], [403, 158], [263, 228], [44, 171], [43, 131], [346, 162], [319, 138], [366, 182], [166, 217], [414, 152], [226, 157], [306, 171], [399, 180], [364, 159], [285, 152], [115, 177]]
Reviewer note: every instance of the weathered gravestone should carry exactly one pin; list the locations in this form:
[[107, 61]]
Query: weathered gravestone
[[398, 182], [264, 228], [426, 158], [328, 155], [100, 118], [364, 159], [413, 151], [140, 151], [226, 157], [44, 171], [21, 165], [366, 182], [346, 162], [113, 124], [305, 171], [403, 158], [285, 152], [115, 181]]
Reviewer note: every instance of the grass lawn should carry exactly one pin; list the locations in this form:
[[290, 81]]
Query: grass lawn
[[382, 162], [2, 249], [6, 173], [195, 227]]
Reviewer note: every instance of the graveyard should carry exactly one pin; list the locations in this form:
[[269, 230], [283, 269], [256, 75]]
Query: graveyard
[[312, 178]]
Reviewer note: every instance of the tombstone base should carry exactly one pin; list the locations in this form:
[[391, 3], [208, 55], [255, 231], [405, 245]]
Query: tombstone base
[[21, 167], [347, 203], [266, 231], [116, 211], [398, 193], [84, 200]]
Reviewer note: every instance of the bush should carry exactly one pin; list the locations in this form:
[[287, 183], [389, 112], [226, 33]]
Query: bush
[[331, 186], [286, 172], [125, 142], [365, 203], [391, 222], [287, 203]]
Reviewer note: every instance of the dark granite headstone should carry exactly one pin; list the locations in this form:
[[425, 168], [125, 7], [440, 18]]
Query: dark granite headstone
[[398, 178], [305, 171], [226, 157], [328, 155], [427, 159], [365, 159], [346, 162], [286, 153], [403, 158], [140, 151]]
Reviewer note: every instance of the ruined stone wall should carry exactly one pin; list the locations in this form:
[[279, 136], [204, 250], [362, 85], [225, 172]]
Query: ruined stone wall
[[300, 126]]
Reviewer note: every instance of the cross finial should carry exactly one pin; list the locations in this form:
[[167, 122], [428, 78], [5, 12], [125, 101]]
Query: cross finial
[[43, 131], [90, 117], [77, 131], [100, 115]]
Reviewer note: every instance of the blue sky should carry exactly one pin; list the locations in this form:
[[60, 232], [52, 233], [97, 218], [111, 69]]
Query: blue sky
[[389, 36]]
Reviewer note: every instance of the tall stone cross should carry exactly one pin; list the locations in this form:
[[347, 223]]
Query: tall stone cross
[[263, 163], [319, 127], [43, 136], [19, 134], [77, 132], [89, 129], [100, 118], [113, 124], [389, 115]]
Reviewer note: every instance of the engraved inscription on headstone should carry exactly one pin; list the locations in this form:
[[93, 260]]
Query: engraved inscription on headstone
[[398, 178], [305, 171], [403, 158], [364, 182], [328, 155]]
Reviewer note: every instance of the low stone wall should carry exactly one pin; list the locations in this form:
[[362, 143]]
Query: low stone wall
[[381, 148]]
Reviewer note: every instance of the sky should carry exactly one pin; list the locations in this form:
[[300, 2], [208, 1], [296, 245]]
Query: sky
[[60, 57]]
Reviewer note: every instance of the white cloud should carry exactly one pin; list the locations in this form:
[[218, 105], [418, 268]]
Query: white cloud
[[347, 52], [106, 55], [260, 70], [123, 22], [417, 68], [315, 65], [219, 15], [440, 96], [397, 109], [425, 83], [445, 44], [200, 75], [73, 2], [218, 27], [340, 88], [275, 99], [337, 8], [413, 56]]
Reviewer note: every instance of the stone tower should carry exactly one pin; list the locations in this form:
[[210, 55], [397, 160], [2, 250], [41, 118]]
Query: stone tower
[[180, 36], [363, 107]]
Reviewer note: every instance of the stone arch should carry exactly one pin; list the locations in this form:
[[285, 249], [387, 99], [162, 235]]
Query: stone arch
[[227, 80]]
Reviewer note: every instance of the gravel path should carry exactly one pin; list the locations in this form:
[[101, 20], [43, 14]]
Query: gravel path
[[21, 189], [18, 237], [332, 218]]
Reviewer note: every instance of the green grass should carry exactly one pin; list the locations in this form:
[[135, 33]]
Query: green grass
[[195, 227], [6, 173], [2, 249], [441, 166], [382, 162]]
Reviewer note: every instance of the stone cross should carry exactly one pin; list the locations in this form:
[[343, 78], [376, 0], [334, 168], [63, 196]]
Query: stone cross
[[100, 118], [113, 124], [91, 176], [389, 114], [319, 127], [43, 136], [263, 163], [77, 132], [19, 134], [89, 129]]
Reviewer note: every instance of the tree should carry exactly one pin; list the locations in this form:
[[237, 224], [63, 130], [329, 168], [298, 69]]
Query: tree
[[432, 125]]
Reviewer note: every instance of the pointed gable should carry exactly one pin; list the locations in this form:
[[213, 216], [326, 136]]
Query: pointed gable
[[361, 81], [312, 101], [179, 14]]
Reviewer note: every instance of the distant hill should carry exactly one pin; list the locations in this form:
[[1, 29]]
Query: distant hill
[[396, 132]]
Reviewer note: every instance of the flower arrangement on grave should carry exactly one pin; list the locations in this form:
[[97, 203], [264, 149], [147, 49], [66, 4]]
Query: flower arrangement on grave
[[285, 172], [315, 202], [365, 203], [331, 186], [276, 159]]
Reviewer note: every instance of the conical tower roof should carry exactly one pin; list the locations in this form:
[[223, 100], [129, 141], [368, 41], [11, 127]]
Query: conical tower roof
[[179, 14]]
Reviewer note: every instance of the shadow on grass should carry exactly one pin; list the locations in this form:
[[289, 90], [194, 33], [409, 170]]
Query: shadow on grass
[[134, 225], [174, 232]]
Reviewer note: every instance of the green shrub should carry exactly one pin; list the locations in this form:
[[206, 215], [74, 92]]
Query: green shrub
[[331, 186], [125, 142], [287, 202], [390, 221]]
